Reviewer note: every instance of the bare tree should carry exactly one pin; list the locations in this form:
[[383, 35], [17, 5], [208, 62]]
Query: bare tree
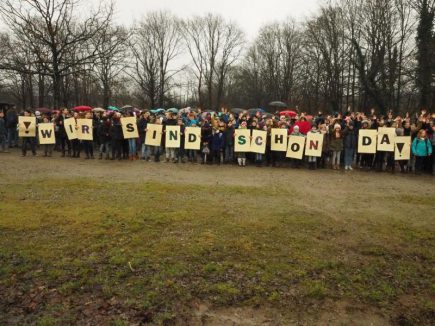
[[214, 46], [155, 45], [110, 61], [51, 30]]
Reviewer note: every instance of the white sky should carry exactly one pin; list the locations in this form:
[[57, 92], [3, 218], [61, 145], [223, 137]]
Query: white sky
[[249, 14]]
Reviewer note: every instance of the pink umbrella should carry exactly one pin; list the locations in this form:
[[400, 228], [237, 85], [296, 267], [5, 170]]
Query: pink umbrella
[[82, 108]]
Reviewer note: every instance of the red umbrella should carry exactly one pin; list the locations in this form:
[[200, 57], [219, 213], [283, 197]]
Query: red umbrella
[[288, 112], [82, 108], [304, 127], [309, 117]]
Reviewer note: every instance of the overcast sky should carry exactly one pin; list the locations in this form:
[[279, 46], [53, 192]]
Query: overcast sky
[[249, 14]]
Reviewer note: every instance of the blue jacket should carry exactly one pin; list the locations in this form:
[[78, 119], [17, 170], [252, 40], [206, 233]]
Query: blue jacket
[[421, 147], [218, 141]]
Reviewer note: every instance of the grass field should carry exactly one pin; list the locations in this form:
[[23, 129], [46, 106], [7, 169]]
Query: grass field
[[108, 243]]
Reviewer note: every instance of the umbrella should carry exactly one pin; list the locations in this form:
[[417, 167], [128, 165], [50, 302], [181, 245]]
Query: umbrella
[[267, 115], [173, 110], [82, 108], [309, 117], [98, 110], [127, 107], [288, 112], [304, 126], [255, 110], [43, 110], [130, 108], [158, 111], [236, 110], [278, 104], [113, 108]]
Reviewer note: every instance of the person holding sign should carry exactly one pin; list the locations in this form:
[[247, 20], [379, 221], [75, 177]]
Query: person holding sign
[[85, 134], [154, 137], [27, 130], [46, 136], [172, 137], [312, 160], [422, 149], [3, 132], [296, 150], [242, 136]]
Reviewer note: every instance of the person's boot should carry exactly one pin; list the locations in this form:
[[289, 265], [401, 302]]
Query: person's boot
[[100, 157]]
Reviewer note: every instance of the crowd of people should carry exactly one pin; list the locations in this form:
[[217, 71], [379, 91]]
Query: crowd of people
[[340, 132]]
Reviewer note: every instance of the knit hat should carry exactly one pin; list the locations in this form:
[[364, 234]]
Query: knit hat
[[296, 128], [337, 126]]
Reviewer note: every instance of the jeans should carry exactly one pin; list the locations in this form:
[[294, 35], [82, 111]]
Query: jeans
[[145, 151], [12, 137], [191, 154], [157, 152], [348, 156], [105, 148], [336, 157], [170, 153], [229, 153], [132, 146], [180, 153], [88, 146]]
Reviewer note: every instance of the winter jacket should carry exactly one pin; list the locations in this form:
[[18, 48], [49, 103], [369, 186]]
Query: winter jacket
[[103, 131], [218, 141], [141, 126], [335, 144], [421, 147], [116, 130]]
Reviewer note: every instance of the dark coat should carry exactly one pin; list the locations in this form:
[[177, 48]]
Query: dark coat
[[103, 131], [349, 138], [116, 130], [218, 141]]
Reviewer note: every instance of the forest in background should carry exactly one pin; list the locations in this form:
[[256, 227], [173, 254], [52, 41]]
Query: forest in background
[[353, 54]]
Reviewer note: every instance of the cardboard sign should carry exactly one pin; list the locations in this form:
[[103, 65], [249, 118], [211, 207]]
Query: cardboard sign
[[129, 128], [84, 130], [154, 135], [296, 145], [402, 148], [242, 140], [192, 138], [367, 141], [26, 126], [314, 144], [278, 139], [258, 143], [46, 133], [172, 137], [70, 128], [386, 138]]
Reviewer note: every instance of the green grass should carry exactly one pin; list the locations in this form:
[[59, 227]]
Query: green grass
[[148, 251]]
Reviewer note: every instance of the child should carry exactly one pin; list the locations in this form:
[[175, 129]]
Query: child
[[312, 160], [217, 146], [31, 141], [336, 146], [48, 148], [158, 149], [241, 156]]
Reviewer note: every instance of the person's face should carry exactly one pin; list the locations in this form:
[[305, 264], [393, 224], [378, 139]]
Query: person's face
[[423, 134], [26, 114], [65, 111], [2, 114]]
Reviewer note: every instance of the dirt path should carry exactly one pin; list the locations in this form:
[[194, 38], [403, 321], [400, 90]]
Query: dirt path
[[15, 167]]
